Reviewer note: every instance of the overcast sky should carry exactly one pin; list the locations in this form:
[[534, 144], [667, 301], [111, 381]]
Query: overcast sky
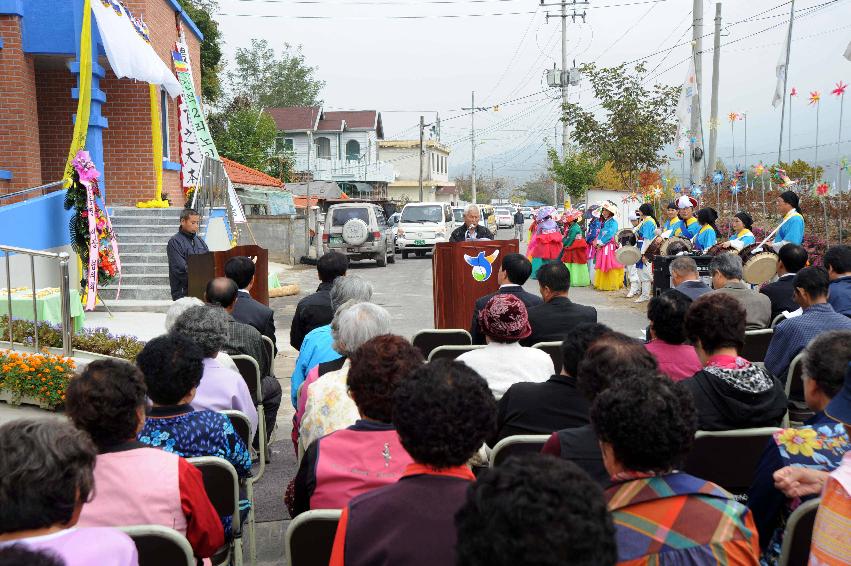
[[372, 59]]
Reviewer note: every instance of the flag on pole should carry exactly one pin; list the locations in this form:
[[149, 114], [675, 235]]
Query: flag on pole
[[684, 107], [780, 70]]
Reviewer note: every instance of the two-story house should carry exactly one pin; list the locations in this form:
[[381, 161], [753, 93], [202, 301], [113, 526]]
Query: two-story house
[[403, 155]]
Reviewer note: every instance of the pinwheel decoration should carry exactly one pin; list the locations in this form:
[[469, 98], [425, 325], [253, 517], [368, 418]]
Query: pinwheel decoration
[[657, 192], [679, 152], [696, 191], [759, 169], [815, 97], [733, 116], [735, 188], [822, 189], [793, 92], [718, 178], [844, 165], [840, 89], [677, 188]]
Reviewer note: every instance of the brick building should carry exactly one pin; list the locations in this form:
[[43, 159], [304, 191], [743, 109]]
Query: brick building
[[39, 43]]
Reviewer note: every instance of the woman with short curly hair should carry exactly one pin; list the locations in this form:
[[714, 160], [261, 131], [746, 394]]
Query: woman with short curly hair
[[667, 313]]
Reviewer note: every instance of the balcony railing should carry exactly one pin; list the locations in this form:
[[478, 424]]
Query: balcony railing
[[347, 170]]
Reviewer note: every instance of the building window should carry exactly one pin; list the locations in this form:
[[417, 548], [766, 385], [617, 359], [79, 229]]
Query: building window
[[283, 144], [164, 123], [323, 148], [352, 150]]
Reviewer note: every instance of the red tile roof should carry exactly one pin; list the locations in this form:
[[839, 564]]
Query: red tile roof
[[330, 126], [294, 118], [243, 175], [355, 118]]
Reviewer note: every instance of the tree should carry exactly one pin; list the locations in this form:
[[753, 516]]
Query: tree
[[575, 172], [800, 170], [243, 133], [268, 80], [485, 189], [649, 178], [638, 121], [211, 51], [608, 178], [539, 189]]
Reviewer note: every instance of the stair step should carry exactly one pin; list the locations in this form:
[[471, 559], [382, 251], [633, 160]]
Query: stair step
[[144, 279], [172, 212], [152, 221], [153, 268], [144, 257], [146, 248], [137, 292], [164, 228], [135, 305], [137, 238]]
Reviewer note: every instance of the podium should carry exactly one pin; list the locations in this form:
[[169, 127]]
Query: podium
[[462, 273], [203, 267]]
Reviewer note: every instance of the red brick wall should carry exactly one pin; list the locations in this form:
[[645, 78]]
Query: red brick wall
[[56, 109], [19, 143]]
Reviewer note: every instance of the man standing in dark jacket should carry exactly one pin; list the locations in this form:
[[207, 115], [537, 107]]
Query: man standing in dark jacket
[[315, 310], [182, 245]]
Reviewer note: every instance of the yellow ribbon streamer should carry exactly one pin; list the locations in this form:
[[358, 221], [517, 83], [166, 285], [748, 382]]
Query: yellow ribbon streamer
[[84, 98], [157, 150]]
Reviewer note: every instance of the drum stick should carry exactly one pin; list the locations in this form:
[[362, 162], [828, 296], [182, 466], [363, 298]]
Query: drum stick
[[771, 235]]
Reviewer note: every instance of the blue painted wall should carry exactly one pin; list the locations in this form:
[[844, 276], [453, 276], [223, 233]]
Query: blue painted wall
[[48, 27], [39, 224]]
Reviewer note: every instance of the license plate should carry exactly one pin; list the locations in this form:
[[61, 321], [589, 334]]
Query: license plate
[[336, 240], [419, 242]]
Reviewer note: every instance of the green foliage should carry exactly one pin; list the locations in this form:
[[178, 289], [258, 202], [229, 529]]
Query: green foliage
[[244, 133], [269, 80], [608, 178], [199, 11], [800, 170], [637, 121], [575, 172], [281, 165], [96, 341]]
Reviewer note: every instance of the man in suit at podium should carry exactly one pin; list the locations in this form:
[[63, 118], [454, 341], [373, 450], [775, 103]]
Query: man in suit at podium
[[514, 272], [247, 310], [471, 230]]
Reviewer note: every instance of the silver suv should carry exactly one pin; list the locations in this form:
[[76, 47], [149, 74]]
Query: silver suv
[[360, 231]]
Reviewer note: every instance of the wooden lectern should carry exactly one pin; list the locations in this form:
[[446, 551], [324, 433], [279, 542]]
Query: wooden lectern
[[464, 272], [203, 267]]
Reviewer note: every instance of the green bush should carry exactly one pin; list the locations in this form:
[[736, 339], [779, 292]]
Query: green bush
[[96, 341]]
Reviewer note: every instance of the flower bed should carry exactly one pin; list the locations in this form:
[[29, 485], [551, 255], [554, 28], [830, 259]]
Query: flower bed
[[34, 378], [96, 341]]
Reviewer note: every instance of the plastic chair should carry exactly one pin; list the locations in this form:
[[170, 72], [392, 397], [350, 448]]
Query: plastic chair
[[270, 349], [777, 320], [756, 344], [428, 340], [450, 352], [798, 410], [310, 537], [158, 545], [798, 534], [222, 486], [518, 444], [554, 350], [241, 424]]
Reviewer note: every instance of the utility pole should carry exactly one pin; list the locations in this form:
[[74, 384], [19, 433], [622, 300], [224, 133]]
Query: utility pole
[[697, 51], [473, 109], [713, 112], [422, 153]]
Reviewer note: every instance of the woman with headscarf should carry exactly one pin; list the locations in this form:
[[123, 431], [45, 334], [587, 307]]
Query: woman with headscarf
[[545, 245], [608, 272], [742, 235], [707, 234], [792, 229], [575, 249]]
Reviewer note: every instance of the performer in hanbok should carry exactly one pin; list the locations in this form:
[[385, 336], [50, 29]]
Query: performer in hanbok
[[688, 226], [594, 227], [608, 273], [646, 234], [792, 229], [742, 235], [632, 269], [707, 235], [673, 219], [546, 244], [575, 256]]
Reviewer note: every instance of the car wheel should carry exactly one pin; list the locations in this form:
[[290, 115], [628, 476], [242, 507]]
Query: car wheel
[[404, 255], [392, 257], [381, 259]]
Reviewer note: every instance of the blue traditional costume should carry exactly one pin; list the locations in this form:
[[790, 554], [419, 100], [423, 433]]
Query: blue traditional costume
[[608, 274]]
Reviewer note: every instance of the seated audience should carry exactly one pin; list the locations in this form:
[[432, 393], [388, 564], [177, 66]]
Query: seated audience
[[172, 366], [443, 413], [136, 484], [558, 315], [18, 554], [245, 339], [46, 475], [315, 310], [367, 454], [791, 336], [317, 346], [179, 307], [818, 445], [726, 270], [729, 392], [837, 261], [542, 408], [247, 310], [513, 273], [535, 511], [504, 361], [685, 279], [328, 406], [667, 313], [607, 358], [221, 389], [646, 427], [781, 293]]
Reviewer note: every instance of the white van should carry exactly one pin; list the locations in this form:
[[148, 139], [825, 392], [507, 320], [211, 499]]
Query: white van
[[422, 225]]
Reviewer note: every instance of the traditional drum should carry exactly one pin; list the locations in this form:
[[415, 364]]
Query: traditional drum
[[654, 249], [676, 245], [759, 264], [626, 237], [719, 249], [628, 255]]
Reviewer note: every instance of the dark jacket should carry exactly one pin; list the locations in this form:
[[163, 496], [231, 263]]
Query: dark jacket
[[245, 339], [781, 294], [693, 289], [540, 408], [529, 299], [840, 295], [519, 219], [748, 398], [552, 321], [249, 311], [180, 247], [311, 312], [481, 232], [580, 446]]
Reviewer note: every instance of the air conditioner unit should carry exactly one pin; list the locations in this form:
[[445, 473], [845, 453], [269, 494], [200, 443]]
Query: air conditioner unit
[[554, 77], [573, 76]]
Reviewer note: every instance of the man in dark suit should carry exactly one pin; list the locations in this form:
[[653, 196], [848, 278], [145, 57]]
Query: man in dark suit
[[247, 310], [793, 258], [514, 272], [315, 310], [558, 316], [685, 279]]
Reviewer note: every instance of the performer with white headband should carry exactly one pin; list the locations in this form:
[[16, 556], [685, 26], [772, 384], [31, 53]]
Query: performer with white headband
[[688, 226]]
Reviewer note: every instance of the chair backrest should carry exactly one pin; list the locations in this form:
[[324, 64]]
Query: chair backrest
[[310, 537], [744, 447], [777, 320], [450, 352], [428, 340], [756, 344], [795, 378], [222, 485], [158, 545], [798, 534], [518, 444], [249, 369], [241, 424], [554, 350]]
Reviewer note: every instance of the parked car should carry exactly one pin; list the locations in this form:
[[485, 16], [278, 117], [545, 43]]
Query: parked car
[[504, 218], [422, 225], [360, 231], [393, 221], [527, 211]]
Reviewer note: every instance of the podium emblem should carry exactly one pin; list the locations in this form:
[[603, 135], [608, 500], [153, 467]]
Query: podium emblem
[[482, 265]]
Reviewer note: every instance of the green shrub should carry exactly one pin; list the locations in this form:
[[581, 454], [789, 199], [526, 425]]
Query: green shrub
[[96, 341]]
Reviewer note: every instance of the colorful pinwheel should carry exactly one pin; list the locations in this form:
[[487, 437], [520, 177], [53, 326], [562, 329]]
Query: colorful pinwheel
[[822, 189], [793, 92], [759, 169], [840, 89], [718, 178], [733, 116], [735, 188], [815, 97], [696, 192]]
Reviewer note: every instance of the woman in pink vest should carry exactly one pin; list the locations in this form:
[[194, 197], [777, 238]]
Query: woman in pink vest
[[368, 454], [136, 484]]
